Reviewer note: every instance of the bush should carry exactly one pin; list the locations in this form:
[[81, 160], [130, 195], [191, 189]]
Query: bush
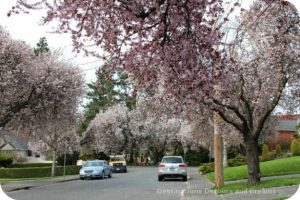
[[233, 152], [237, 161], [278, 150], [207, 167], [295, 147], [5, 159], [71, 159], [195, 158], [265, 151], [34, 172], [269, 156]]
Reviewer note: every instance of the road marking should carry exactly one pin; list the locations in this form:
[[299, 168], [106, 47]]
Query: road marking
[[182, 193]]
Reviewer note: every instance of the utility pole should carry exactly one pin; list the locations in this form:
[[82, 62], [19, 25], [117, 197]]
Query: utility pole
[[65, 159], [218, 146]]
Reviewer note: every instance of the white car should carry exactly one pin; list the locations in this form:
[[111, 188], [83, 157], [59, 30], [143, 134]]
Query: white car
[[95, 169], [172, 167]]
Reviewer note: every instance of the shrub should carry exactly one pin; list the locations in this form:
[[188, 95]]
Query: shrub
[[287, 155], [265, 151], [34, 172], [71, 159], [269, 156], [237, 161], [5, 159], [207, 167], [278, 150], [195, 158], [295, 147], [83, 156], [233, 152]]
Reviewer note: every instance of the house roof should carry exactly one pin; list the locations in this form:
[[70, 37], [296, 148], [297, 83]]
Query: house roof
[[287, 125], [287, 122], [16, 141]]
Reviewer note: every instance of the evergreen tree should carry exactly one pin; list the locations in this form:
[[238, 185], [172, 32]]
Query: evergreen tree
[[105, 92], [41, 47]]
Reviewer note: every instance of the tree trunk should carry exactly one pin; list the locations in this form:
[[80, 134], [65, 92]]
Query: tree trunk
[[53, 164], [252, 157]]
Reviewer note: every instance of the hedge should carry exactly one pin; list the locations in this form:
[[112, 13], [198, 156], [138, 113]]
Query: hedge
[[29, 165], [33, 172], [5, 159]]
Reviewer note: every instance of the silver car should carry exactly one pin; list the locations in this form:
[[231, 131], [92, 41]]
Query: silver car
[[95, 169], [172, 167]]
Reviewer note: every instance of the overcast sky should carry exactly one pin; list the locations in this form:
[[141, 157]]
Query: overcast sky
[[27, 28]]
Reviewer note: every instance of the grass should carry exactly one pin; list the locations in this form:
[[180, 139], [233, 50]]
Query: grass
[[276, 167], [241, 187]]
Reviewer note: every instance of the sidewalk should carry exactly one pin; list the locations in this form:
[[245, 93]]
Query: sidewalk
[[10, 186], [199, 187]]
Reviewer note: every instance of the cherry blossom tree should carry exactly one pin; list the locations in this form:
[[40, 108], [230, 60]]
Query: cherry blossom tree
[[55, 125], [177, 45], [109, 130], [31, 84], [265, 58]]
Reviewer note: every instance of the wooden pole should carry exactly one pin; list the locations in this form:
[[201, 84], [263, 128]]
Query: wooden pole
[[218, 147]]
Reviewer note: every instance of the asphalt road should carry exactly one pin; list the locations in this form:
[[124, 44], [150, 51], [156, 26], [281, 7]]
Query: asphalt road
[[138, 183]]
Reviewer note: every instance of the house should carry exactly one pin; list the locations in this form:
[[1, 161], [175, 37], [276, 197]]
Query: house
[[18, 147], [14, 145], [286, 129]]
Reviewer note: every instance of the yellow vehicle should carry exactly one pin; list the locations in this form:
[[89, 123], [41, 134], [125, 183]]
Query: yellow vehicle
[[118, 163]]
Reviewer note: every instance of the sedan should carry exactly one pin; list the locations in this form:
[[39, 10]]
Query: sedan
[[95, 169], [172, 167]]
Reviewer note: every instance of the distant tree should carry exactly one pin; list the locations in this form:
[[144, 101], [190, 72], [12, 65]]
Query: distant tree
[[41, 47]]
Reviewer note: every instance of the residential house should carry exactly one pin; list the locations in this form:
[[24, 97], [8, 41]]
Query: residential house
[[286, 128]]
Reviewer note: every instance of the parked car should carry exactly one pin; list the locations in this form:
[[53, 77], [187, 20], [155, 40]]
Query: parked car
[[118, 163], [95, 169], [172, 167]]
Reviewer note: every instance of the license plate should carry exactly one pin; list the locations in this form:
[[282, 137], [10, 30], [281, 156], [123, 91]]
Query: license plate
[[172, 169], [118, 168]]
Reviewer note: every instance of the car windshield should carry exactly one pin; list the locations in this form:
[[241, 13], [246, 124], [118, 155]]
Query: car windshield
[[172, 160], [117, 159], [93, 164]]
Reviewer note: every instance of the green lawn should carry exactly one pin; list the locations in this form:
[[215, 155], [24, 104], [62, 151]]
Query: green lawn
[[240, 187], [276, 167]]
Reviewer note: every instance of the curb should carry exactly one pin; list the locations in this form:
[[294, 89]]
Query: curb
[[46, 183]]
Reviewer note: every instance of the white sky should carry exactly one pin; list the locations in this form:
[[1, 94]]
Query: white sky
[[27, 28]]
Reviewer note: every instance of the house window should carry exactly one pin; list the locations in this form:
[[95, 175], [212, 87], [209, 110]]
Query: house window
[[29, 153]]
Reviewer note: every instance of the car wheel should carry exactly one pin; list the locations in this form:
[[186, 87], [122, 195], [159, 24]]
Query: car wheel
[[102, 175], [110, 174], [160, 178], [184, 178], [81, 178], [125, 170]]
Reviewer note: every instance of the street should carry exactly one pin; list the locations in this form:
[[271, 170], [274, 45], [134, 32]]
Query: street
[[138, 183], [141, 183]]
